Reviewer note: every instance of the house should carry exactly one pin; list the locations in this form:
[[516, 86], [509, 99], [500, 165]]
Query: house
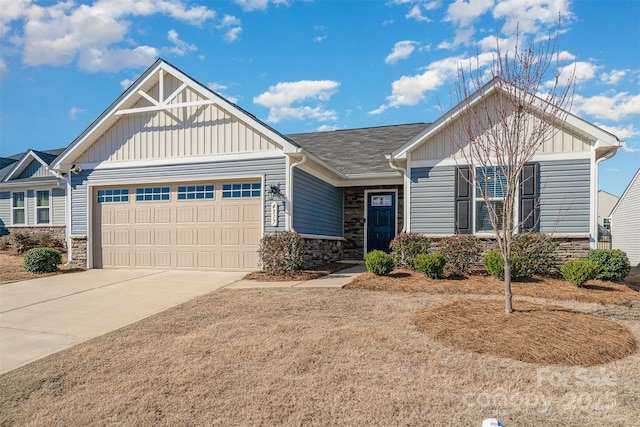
[[606, 203], [625, 226], [172, 175], [32, 195]]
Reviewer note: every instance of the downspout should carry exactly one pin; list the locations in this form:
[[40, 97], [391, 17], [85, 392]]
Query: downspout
[[596, 178], [67, 218], [290, 190], [405, 193]]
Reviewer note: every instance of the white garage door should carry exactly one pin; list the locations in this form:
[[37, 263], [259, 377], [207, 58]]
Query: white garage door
[[208, 225]]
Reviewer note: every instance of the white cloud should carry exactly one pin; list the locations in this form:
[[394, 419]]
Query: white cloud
[[631, 148], [622, 132], [531, 16], [181, 47], [616, 106], [220, 89], [401, 50], [280, 100], [4, 70], [124, 84], [613, 77], [327, 128], [463, 13], [580, 71], [416, 13], [251, 5], [231, 25], [322, 34], [95, 35], [74, 112]]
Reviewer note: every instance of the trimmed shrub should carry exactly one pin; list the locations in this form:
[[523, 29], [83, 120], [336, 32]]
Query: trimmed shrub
[[5, 242], [281, 252], [405, 247], [461, 251], [494, 263], [379, 263], [44, 240], [579, 271], [23, 241], [613, 264], [534, 253], [431, 265], [42, 260]]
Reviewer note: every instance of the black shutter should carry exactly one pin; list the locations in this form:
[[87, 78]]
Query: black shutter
[[529, 195], [463, 201]]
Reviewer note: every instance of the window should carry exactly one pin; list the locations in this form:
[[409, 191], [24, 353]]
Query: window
[[113, 196], [491, 185], [247, 189], [43, 207], [192, 192], [149, 194], [17, 206]]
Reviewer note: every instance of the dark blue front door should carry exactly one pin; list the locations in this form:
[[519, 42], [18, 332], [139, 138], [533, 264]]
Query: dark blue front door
[[381, 220]]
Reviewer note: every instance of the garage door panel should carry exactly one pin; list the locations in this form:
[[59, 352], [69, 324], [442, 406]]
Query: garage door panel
[[213, 232]]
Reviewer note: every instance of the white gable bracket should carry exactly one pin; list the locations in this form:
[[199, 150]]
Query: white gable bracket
[[161, 107]]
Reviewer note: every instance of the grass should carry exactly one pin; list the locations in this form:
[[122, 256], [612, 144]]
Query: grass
[[12, 268], [311, 357]]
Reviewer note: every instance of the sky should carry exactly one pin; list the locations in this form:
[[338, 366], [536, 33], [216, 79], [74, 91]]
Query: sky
[[304, 66]]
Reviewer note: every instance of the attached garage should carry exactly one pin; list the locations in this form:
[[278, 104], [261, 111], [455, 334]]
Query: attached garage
[[205, 225]]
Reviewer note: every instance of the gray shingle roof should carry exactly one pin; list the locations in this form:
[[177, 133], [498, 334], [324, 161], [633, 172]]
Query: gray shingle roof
[[7, 163], [358, 151]]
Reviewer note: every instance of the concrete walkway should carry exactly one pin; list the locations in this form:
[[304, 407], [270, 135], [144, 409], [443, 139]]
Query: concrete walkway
[[42, 316]]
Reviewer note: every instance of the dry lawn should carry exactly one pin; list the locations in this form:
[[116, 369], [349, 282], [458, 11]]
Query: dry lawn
[[554, 288], [534, 333], [312, 357], [12, 268], [298, 275]]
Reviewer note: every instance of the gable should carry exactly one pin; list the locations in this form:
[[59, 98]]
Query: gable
[[167, 115], [35, 169], [31, 165]]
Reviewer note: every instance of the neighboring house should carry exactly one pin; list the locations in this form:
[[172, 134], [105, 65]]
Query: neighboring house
[[32, 195], [625, 223], [606, 202], [172, 175]]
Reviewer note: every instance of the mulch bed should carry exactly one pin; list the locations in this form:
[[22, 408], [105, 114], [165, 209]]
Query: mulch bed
[[534, 333], [12, 268], [300, 275], [553, 288]]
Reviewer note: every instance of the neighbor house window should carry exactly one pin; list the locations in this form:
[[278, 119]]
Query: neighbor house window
[[152, 194], [491, 185], [247, 189], [193, 192], [43, 207], [18, 208], [113, 195]]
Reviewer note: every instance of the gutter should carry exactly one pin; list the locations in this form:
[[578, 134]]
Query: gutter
[[290, 190], [405, 191]]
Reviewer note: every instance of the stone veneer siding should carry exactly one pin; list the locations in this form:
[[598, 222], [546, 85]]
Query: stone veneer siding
[[354, 226], [79, 250], [57, 231], [322, 251]]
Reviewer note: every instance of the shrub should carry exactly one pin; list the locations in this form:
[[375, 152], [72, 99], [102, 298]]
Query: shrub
[[42, 260], [612, 263], [5, 242], [281, 252], [579, 271], [461, 252], [494, 263], [534, 254], [379, 263], [44, 240], [23, 241], [405, 247], [431, 265]]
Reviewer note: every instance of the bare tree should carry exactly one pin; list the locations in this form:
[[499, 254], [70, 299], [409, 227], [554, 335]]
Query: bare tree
[[508, 110]]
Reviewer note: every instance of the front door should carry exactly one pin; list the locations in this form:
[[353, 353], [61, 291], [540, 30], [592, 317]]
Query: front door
[[381, 220]]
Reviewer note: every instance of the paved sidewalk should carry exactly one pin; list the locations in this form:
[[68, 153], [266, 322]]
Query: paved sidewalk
[[42, 316]]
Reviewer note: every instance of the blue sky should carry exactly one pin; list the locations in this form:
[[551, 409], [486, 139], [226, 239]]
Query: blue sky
[[304, 65]]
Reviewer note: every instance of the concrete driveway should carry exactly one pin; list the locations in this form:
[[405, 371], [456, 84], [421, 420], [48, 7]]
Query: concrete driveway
[[42, 316]]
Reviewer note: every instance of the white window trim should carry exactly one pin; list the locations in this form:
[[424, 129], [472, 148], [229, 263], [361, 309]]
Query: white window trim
[[36, 207], [476, 199], [24, 208]]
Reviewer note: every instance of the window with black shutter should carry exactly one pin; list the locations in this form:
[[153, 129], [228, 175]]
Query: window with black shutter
[[529, 209], [463, 201]]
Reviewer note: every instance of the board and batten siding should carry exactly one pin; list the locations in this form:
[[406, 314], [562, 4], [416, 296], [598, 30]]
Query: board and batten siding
[[625, 222], [182, 132], [432, 200], [273, 169], [35, 170], [317, 206], [565, 196], [5, 208]]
